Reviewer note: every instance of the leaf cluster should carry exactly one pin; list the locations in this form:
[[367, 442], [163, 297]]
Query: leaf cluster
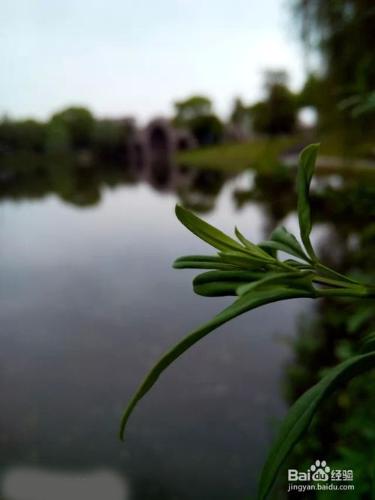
[[255, 275]]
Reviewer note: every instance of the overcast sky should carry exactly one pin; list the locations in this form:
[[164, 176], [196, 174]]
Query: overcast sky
[[135, 57]]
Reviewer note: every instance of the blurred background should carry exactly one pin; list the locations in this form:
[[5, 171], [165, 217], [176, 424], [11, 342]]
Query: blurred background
[[111, 112]]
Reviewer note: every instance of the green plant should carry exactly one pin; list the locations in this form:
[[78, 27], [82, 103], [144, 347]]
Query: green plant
[[256, 276]]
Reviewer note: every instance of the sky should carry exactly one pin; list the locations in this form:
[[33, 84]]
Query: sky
[[136, 57]]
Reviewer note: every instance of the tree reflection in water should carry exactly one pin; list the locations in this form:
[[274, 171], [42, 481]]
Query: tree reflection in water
[[24, 177]]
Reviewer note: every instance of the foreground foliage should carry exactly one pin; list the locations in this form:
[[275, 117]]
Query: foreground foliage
[[255, 275]]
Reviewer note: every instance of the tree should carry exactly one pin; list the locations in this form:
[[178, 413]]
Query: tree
[[195, 114], [274, 77], [277, 113], [58, 139], [79, 124], [312, 91], [25, 135], [240, 116], [343, 33], [207, 129], [190, 108], [109, 139]]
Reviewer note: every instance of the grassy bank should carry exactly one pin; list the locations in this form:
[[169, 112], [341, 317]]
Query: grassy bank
[[264, 154], [258, 154]]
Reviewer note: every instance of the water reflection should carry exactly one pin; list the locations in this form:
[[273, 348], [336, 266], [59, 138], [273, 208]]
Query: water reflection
[[345, 201], [89, 301], [274, 191], [35, 484], [82, 185]]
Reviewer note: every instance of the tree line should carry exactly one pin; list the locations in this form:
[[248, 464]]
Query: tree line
[[76, 129]]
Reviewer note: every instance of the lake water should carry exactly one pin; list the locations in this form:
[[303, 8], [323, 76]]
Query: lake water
[[89, 301]]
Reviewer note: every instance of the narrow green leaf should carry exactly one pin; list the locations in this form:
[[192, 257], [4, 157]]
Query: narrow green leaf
[[201, 262], [305, 172], [302, 412], [252, 248], [271, 251], [298, 265], [282, 239], [220, 283], [206, 232], [298, 279], [243, 260], [240, 306]]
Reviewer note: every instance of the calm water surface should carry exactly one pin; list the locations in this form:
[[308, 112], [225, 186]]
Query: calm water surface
[[89, 301]]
